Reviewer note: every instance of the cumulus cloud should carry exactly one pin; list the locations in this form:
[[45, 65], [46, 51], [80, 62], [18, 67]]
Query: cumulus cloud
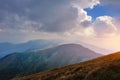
[[104, 25], [86, 3]]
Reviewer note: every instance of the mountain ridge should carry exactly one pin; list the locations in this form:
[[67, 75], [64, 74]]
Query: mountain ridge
[[32, 62], [40, 44], [9, 48], [102, 68]]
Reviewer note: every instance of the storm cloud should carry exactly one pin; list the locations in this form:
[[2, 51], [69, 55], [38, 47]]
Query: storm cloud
[[45, 15]]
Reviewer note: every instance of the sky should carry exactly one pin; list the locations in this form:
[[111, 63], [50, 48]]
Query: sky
[[94, 22]]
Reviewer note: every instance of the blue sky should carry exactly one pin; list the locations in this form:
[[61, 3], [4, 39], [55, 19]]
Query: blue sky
[[97, 11], [101, 10]]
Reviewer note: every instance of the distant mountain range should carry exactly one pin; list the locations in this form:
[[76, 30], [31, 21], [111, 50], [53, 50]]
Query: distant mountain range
[[21, 64], [103, 68], [8, 48], [35, 45]]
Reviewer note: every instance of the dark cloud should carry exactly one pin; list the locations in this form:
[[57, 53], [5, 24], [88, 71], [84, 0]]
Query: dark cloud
[[110, 2], [54, 15], [86, 23]]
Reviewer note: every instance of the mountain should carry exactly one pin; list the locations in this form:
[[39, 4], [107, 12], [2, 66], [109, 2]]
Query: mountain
[[8, 48], [103, 68], [35, 45], [20, 64]]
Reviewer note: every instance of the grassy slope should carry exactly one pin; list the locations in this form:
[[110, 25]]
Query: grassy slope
[[22, 64], [103, 68]]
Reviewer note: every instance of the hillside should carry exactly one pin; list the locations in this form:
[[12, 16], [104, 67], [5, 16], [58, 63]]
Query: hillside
[[21, 64], [103, 68]]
